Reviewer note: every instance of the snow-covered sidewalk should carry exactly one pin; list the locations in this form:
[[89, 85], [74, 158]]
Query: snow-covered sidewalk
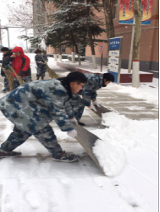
[[34, 182]]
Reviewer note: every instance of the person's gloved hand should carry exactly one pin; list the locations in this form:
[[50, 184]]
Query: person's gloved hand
[[72, 133], [94, 102], [92, 107], [74, 120]]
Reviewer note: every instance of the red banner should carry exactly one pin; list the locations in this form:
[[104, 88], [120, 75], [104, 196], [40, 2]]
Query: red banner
[[126, 12], [147, 11]]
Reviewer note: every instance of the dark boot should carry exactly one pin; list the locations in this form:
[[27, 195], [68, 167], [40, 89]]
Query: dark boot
[[4, 90], [81, 123], [4, 154], [65, 157]]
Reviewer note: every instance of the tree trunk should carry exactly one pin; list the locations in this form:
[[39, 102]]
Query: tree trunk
[[55, 55], [136, 43], [73, 55], [79, 59], [91, 43], [107, 4], [60, 54], [92, 49]]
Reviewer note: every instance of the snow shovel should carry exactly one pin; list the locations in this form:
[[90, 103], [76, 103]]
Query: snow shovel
[[109, 159], [112, 158], [100, 110]]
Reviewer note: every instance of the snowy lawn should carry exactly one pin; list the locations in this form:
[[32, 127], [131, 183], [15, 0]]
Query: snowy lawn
[[33, 182]]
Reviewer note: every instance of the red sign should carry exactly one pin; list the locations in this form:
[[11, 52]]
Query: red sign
[[101, 48]]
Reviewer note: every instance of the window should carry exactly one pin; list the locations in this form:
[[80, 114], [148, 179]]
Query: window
[[114, 9], [63, 49]]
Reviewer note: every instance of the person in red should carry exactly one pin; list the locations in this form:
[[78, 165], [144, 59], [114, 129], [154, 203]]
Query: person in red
[[21, 65]]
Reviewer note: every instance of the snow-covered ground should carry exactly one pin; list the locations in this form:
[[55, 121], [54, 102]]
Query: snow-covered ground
[[128, 152]]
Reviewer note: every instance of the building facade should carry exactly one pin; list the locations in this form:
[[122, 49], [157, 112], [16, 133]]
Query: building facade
[[149, 53]]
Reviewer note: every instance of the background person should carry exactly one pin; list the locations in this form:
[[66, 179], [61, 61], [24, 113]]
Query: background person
[[6, 54], [41, 66], [21, 65], [89, 93]]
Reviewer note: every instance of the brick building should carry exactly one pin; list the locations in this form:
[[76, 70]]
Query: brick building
[[149, 55]]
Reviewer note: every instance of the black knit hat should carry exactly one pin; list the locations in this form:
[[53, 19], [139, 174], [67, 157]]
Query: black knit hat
[[108, 77], [4, 49], [38, 51]]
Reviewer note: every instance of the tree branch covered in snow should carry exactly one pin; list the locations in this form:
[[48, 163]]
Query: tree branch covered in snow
[[71, 24]]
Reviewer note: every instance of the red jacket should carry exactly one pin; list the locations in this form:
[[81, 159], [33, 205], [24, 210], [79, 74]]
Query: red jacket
[[21, 64]]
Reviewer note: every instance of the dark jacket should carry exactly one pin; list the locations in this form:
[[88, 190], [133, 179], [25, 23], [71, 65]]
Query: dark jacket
[[39, 61], [21, 64], [6, 63]]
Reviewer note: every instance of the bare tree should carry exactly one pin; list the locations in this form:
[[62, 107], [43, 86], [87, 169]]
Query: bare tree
[[21, 15], [108, 7], [28, 14], [136, 44]]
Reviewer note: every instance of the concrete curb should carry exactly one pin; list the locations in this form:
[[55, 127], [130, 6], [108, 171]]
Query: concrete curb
[[124, 78]]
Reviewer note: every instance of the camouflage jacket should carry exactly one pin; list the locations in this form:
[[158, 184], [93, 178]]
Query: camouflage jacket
[[33, 105], [94, 82], [6, 64], [39, 61]]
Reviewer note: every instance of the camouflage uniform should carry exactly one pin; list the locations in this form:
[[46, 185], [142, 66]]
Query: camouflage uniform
[[41, 67], [77, 106], [6, 84], [6, 66], [31, 107], [25, 79], [94, 82]]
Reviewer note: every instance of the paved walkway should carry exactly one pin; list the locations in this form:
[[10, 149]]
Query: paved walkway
[[132, 108], [136, 109]]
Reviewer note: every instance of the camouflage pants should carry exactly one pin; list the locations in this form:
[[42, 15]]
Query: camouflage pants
[[25, 79], [41, 72], [6, 84], [77, 106], [45, 136]]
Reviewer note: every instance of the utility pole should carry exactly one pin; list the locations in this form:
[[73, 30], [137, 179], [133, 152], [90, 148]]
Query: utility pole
[[26, 40], [8, 37], [7, 28], [131, 48], [0, 34]]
